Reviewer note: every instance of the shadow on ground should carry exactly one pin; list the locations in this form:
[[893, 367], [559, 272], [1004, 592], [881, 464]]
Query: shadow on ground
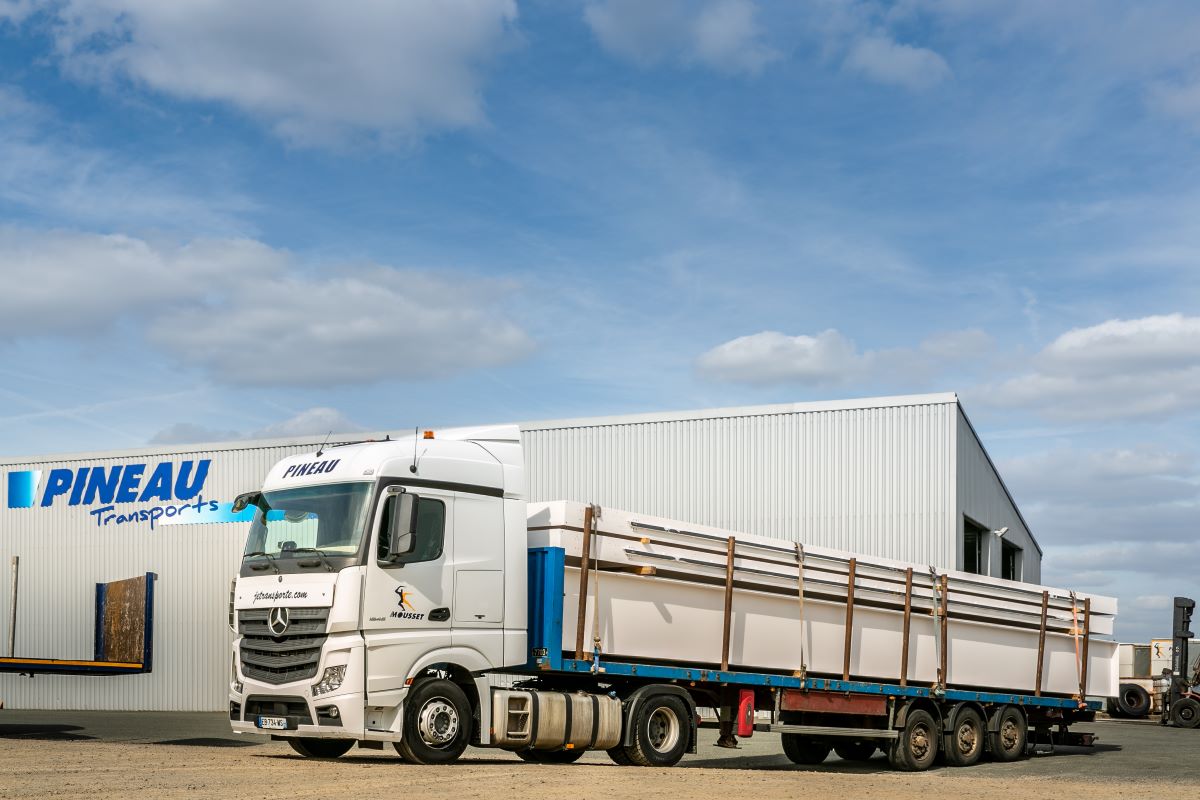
[[48, 732]]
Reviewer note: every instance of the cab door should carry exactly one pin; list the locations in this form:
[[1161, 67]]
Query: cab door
[[407, 601]]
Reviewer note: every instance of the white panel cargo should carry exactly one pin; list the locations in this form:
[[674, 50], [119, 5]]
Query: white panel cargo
[[658, 591]]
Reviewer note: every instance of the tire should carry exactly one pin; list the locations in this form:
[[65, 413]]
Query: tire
[[855, 751], [437, 723], [550, 756], [619, 756], [966, 740], [1185, 713], [321, 748], [1007, 742], [917, 746], [1133, 701], [660, 733], [803, 750]]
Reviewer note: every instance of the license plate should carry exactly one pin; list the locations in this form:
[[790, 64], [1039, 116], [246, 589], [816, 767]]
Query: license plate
[[273, 723]]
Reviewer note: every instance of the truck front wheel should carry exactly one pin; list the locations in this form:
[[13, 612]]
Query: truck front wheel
[[437, 723], [321, 748]]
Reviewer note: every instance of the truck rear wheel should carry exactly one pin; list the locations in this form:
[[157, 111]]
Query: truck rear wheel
[[966, 738], [1185, 713], [801, 749], [550, 756], [855, 751], [321, 748], [917, 746], [437, 723], [660, 732], [1008, 740]]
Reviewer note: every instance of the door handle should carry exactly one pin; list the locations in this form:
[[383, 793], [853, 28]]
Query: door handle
[[439, 615]]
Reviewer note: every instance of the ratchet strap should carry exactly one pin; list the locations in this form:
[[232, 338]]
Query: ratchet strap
[[803, 673]]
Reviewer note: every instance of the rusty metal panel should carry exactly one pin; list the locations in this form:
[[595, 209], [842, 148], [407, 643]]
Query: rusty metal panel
[[123, 621], [830, 703]]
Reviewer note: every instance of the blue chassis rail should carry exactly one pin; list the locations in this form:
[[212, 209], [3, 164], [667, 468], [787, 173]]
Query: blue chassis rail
[[546, 566]]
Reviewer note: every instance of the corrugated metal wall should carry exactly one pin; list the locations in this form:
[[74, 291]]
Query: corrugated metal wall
[[876, 480], [64, 553], [983, 498]]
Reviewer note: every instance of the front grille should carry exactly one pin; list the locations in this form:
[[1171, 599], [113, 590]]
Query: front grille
[[295, 708], [280, 659]]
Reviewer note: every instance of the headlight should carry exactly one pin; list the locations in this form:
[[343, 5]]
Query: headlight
[[234, 682], [331, 679]]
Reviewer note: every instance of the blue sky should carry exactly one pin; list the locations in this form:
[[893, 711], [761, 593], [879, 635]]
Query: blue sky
[[228, 219]]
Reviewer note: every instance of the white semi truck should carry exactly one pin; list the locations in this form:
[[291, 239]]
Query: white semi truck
[[404, 592]]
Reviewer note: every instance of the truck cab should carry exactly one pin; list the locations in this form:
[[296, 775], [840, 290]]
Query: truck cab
[[378, 576]]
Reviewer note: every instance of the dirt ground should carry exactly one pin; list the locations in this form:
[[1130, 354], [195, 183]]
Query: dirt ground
[[68, 760]]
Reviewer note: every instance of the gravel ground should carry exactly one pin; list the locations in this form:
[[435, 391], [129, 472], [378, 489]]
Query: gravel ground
[[119, 755]]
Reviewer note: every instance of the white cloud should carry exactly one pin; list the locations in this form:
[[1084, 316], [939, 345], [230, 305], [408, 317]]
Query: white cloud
[[61, 282], [773, 357], [830, 357], [884, 60], [310, 422], [248, 314], [1117, 369], [314, 70], [720, 34]]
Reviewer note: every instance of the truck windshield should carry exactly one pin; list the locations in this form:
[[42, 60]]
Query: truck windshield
[[329, 518]]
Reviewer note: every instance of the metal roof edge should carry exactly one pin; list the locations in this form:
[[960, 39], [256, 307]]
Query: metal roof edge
[[746, 411], [999, 479]]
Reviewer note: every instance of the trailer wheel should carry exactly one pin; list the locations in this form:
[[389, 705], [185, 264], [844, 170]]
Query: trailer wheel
[[1008, 740], [917, 747], [660, 732], [855, 751], [966, 738], [437, 723], [1185, 713], [321, 748], [803, 750], [550, 756], [1133, 701]]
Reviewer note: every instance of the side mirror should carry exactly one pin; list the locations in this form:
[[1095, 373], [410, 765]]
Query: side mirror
[[242, 501], [402, 527]]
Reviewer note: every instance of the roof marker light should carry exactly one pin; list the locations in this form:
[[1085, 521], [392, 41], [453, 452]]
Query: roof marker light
[[428, 435]]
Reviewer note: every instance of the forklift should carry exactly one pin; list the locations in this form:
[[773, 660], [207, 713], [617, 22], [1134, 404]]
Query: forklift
[[1181, 701]]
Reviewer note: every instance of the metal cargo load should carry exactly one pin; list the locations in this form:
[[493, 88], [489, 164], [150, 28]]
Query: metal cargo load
[[660, 591]]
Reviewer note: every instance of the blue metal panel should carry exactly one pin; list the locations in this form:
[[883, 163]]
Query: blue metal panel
[[695, 674], [98, 638], [546, 566], [148, 626]]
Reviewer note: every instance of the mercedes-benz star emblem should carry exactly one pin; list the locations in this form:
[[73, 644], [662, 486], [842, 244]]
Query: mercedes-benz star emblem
[[277, 622]]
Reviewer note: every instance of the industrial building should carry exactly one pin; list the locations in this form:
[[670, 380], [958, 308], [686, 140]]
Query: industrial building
[[900, 477]]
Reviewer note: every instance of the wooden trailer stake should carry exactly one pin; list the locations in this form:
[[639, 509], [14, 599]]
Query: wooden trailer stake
[[584, 558], [849, 619], [1037, 691], [1087, 630], [943, 671], [728, 603], [908, 573]]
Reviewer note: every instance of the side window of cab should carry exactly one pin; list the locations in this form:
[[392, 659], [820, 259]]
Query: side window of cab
[[427, 540]]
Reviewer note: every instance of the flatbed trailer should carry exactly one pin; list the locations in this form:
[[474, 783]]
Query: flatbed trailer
[[813, 714]]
